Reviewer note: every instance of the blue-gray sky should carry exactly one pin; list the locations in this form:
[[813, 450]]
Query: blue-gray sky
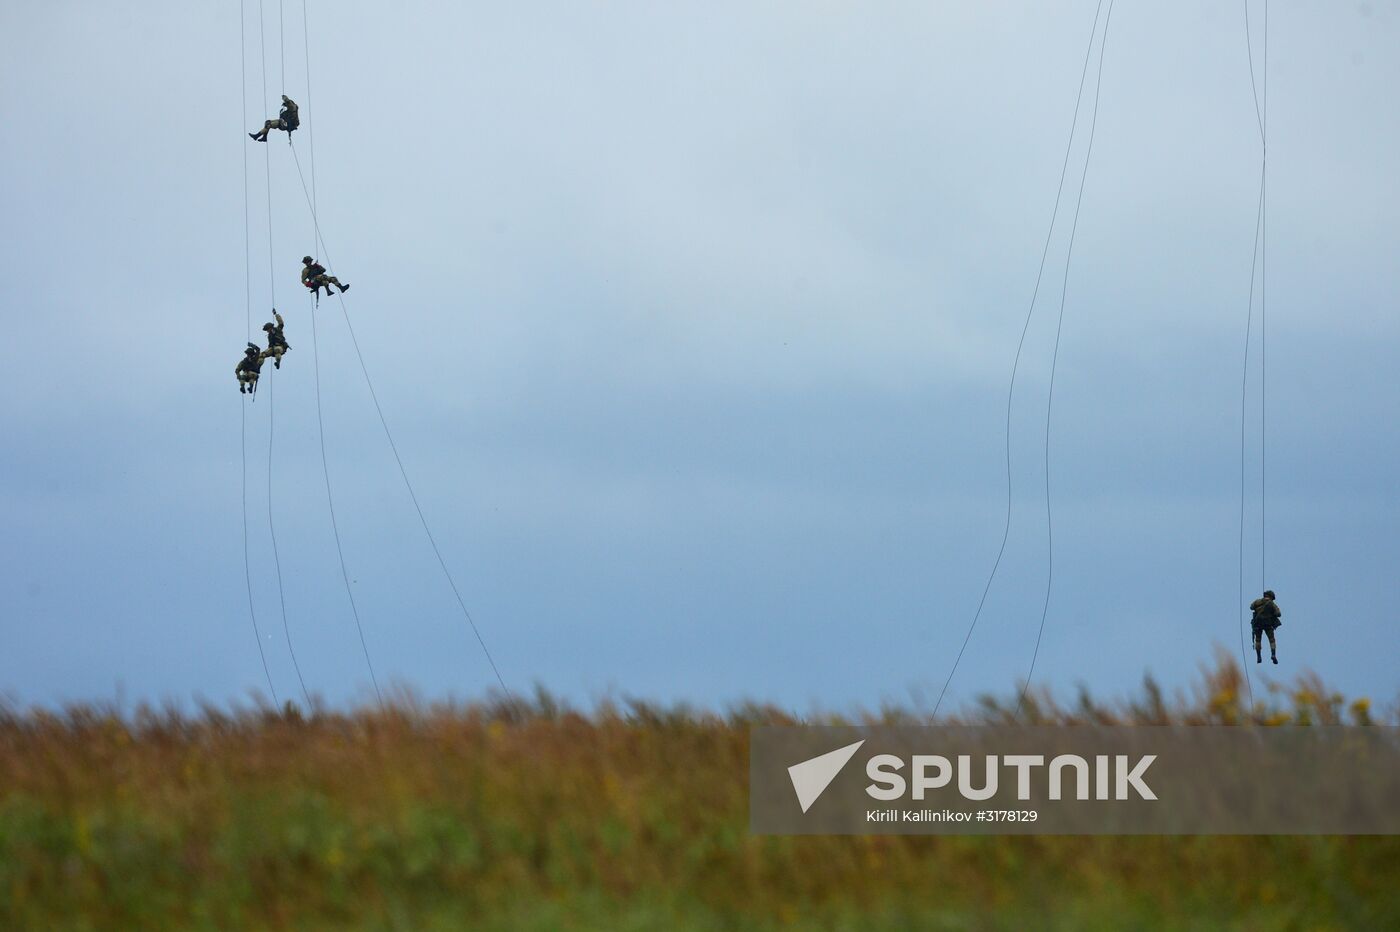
[[694, 324]]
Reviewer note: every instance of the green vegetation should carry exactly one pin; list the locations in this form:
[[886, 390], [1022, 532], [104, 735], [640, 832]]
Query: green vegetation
[[529, 815]]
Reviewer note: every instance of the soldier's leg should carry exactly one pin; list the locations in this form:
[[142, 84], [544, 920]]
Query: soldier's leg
[[1273, 646], [1258, 654]]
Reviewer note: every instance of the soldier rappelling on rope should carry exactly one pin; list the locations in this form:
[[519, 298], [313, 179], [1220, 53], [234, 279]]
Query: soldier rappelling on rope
[[248, 368], [313, 276], [1265, 621], [287, 120], [276, 340]]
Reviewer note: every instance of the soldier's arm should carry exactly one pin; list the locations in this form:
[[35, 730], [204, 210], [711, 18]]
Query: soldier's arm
[[280, 322]]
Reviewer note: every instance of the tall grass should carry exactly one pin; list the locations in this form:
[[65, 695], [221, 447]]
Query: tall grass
[[533, 814]]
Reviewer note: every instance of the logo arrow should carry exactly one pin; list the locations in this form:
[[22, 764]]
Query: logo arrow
[[811, 777]]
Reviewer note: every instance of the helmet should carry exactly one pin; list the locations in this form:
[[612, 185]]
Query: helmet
[[1269, 594], [269, 327], [306, 260]]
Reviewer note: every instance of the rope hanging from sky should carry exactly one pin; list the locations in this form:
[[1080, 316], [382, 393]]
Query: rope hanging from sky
[[1020, 345], [1054, 364], [272, 398], [1258, 264], [248, 331]]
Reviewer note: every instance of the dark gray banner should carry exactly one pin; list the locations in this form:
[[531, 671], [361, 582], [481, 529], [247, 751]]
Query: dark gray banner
[[1082, 780]]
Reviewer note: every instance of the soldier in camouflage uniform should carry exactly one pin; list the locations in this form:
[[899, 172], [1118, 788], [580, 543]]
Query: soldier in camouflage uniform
[[1265, 620], [276, 340], [314, 276], [287, 120], [248, 368]]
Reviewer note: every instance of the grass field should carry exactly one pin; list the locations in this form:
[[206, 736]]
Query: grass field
[[530, 815]]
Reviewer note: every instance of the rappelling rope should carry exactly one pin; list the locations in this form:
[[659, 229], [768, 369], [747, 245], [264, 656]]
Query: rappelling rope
[[276, 559], [1244, 402], [271, 418], [1055, 359], [388, 434], [330, 504], [1264, 321], [281, 46], [1016, 363], [267, 162], [320, 421], [248, 327], [1259, 263], [310, 129]]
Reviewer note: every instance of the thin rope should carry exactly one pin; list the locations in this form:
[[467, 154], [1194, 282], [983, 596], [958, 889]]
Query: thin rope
[[1258, 264], [267, 162], [1244, 423], [282, 46], [310, 129], [243, 122], [276, 559], [1016, 363], [388, 434], [316, 369], [271, 421], [1264, 324], [1261, 246], [330, 504], [247, 566], [1054, 364], [248, 328], [1249, 51]]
